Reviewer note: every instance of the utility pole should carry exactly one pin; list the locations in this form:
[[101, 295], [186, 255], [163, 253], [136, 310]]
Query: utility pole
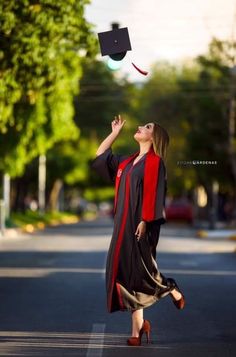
[[232, 111], [232, 103], [42, 183], [4, 203], [231, 132], [6, 194], [214, 204]]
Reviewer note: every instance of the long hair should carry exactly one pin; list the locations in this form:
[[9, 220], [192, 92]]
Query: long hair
[[160, 140]]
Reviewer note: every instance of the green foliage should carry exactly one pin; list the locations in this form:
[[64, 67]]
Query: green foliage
[[69, 161], [192, 104], [101, 98], [38, 220], [99, 194], [160, 101], [207, 113], [55, 98], [40, 60]]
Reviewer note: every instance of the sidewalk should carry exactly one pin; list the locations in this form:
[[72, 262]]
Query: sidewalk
[[217, 233], [168, 229], [13, 234], [198, 231]]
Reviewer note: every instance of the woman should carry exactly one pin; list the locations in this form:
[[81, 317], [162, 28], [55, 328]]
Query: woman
[[133, 280]]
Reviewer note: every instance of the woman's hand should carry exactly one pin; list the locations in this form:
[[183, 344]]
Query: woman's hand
[[141, 230], [117, 124]]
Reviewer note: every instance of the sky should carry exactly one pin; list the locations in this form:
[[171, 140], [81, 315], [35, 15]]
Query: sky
[[173, 30]]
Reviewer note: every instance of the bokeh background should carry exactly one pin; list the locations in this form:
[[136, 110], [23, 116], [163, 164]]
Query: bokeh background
[[58, 97]]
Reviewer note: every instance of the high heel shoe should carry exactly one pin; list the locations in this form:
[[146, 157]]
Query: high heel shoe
[[180, 303], [136, 341]]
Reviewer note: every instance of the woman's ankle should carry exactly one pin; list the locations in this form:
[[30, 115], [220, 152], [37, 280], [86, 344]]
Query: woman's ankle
[[135, 334], [136, 329]]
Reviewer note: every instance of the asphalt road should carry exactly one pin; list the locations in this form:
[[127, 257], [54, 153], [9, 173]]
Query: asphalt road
[[52, 296]]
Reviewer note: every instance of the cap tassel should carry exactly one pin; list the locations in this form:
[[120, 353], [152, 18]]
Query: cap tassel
[[140, 70]]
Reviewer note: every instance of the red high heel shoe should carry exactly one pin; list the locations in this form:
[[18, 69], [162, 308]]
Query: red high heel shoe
[[180, 303], [136, 341]]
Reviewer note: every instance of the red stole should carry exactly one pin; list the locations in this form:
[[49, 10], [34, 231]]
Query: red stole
[[150, 183]]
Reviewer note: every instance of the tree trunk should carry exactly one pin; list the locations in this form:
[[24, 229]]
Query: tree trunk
[[20, 187], [54, 195]]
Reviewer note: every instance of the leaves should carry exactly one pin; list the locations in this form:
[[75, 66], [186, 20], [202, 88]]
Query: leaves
[[39, 71]]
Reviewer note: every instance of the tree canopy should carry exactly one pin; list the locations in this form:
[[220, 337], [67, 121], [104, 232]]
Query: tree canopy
[[41, 46]]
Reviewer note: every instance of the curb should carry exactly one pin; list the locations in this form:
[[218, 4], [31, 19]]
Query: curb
[[230, 235], [10, 233], [13, 233]]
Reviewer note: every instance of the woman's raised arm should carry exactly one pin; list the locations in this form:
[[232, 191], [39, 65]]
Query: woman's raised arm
[[116, 125]]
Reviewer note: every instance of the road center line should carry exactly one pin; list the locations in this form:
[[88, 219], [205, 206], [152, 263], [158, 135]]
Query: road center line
[[96, 341]]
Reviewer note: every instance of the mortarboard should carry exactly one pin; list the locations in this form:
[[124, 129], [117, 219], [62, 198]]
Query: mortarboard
[[116, 43]]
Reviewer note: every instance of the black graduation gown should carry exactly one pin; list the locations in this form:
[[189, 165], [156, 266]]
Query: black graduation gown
[[133, 280]]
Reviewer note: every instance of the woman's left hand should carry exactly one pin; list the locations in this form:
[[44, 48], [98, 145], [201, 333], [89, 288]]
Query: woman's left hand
[[141, 230]]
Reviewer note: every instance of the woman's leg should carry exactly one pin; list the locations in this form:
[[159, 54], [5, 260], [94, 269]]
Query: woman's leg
[[137, 322], [177, 295]]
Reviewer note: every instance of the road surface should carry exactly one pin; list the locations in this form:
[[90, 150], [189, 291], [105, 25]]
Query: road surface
[[52, 296]]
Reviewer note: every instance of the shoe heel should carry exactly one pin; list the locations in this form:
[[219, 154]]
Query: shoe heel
[[148, 340]]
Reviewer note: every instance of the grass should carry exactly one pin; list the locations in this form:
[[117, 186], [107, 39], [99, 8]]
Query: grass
[[30, 220]]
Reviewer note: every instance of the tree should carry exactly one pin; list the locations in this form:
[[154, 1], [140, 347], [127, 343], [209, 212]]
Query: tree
[[41, 46], [207, 109], [101, 96], [216, 73]]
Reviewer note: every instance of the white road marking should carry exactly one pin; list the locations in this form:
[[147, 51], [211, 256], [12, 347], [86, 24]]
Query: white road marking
[[199, 272], [96, 341], [42, 272]]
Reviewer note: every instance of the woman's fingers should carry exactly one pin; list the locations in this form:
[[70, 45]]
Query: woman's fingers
[[117, 123], [140, 231], [119, 119], [137, 233]]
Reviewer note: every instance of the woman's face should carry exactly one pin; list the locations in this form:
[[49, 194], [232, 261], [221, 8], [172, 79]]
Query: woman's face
[[144, 133]]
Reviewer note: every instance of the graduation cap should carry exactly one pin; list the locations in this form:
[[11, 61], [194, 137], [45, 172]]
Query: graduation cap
[[116, 43]]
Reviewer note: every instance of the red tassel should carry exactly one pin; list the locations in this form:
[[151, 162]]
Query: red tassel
[[140, 70]]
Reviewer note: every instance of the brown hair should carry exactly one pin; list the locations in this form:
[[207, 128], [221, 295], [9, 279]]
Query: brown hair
[[160, 140]]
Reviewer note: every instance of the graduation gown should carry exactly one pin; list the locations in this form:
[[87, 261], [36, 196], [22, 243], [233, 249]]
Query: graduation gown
[[133, 280]]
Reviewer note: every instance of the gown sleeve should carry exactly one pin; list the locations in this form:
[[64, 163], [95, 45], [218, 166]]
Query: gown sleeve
[[106, 165], [160, 215]]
